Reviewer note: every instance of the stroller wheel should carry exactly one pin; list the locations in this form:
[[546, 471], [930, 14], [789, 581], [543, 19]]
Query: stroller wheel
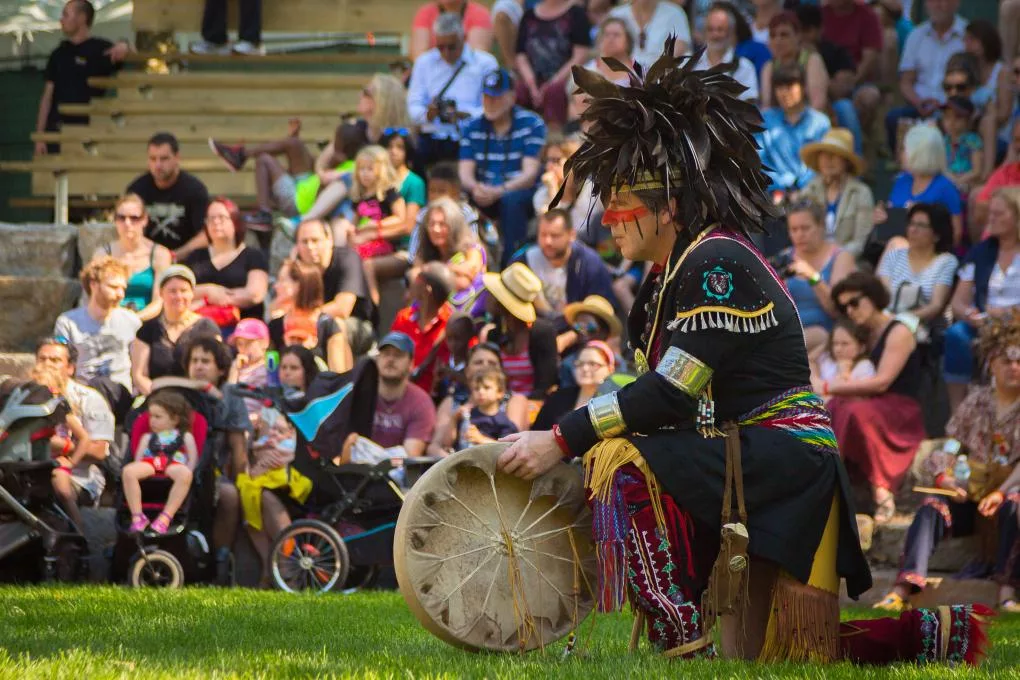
[[362, 577], [156, 569], [309, 555]]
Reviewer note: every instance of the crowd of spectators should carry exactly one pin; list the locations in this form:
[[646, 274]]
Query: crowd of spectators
[[513, 309]]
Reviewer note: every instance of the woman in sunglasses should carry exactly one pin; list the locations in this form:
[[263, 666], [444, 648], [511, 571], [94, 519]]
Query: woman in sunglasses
[[144, 259], [877, 421]]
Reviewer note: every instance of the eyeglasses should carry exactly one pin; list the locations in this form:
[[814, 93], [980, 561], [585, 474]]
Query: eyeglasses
[[401, 132], [120, 217], [951, 88], [915, 223], [589, 328], [451, 47], [216, 219], [850, 304], [589, 365]]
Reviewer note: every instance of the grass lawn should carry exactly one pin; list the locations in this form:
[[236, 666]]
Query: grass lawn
[[109, 632]]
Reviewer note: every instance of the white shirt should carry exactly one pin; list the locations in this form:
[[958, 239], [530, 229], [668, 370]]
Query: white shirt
[[431, 73], [744, 74], [554, 279], [1003, 286], [667, 19], [925, 53]]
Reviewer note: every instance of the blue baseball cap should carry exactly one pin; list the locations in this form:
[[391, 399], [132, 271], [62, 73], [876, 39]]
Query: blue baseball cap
[[401, 341], [497, 82]]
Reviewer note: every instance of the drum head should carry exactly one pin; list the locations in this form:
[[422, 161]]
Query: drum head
[[489, 561]]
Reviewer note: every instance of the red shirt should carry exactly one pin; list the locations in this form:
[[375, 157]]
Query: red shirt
[[474, 16], [434, 333], [1004, 176], [856, 30]]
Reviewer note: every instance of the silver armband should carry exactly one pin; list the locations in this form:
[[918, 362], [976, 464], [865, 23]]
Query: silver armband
[[685, 372], [606, 417]]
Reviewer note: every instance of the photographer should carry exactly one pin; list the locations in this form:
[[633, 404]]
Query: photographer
[[445, 88], [810, 267]]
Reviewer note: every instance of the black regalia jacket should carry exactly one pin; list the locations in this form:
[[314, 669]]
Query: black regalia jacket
[[721, 333]]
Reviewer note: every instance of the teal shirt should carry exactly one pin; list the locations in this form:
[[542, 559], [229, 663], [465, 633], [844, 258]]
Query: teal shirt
[[412, 191]]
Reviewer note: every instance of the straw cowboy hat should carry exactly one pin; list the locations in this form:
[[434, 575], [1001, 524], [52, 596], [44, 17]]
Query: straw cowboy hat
[[516, 288], [597, 306], [837, 141]]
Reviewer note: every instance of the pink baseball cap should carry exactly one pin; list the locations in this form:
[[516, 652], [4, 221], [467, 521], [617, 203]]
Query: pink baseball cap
[[249, 329]]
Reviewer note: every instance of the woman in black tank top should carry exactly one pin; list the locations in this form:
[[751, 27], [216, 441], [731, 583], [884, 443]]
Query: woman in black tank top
[[878, 421]]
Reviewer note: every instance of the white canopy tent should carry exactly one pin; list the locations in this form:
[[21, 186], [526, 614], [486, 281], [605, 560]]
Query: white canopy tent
[[30, 29]]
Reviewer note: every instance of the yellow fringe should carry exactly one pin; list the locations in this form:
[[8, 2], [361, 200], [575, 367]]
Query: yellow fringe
[[804, 621], [803, 625], [600, 466]]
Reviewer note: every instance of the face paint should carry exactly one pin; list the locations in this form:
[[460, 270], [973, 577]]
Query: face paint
[[611, 217]]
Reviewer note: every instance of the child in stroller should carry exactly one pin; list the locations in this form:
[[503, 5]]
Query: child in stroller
[[168, 448], [33, 415]]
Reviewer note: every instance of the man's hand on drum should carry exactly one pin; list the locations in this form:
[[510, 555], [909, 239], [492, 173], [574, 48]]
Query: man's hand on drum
[[530, 454]]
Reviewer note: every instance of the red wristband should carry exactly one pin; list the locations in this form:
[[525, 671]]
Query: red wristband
[[561, 441], [825, 388], [938, 479], [64, 468]]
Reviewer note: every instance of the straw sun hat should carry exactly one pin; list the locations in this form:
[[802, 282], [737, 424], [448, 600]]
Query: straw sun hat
[[516, 288], [597, 306], [837, 141]]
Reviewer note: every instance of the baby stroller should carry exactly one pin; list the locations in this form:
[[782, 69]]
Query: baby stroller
[[34, 529], [344, 536], [182, 554]]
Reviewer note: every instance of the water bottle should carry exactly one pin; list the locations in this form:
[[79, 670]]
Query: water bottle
[[272, 369], [961, 471]]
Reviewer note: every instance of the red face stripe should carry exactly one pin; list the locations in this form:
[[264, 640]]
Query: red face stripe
[[611, 217]]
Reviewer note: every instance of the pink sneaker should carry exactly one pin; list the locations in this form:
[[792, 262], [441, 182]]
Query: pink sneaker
[[162, 523], [138, 524]]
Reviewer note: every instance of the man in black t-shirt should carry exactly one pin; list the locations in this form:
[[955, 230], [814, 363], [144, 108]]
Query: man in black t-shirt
[[69, 67], [343, 280], [176, 200]]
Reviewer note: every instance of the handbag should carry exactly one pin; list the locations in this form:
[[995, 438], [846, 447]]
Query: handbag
[[221, 315]]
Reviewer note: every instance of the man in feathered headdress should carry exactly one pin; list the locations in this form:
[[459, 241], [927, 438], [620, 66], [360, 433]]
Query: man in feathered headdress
[[719, 451]]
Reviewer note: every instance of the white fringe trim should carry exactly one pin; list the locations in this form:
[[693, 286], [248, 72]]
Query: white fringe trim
[[721, 320]]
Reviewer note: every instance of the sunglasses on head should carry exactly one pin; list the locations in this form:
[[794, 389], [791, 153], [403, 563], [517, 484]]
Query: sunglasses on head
[[399, 131], [851, 303]]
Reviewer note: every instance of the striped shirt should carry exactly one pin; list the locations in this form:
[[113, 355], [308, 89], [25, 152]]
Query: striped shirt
[[895, 267], [520, 374], [498, 158]]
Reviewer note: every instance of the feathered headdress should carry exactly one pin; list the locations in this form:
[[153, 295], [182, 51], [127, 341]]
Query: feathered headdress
[[677, 133], [998, 333]]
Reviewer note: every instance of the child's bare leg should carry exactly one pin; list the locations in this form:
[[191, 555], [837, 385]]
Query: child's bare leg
[[181, 476], [131, 475], [63, 487], [370, 280]]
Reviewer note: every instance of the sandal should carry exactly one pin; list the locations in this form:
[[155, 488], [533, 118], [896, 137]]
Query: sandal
[[1009, 606], [892, 603], [885, 509], [162, 523], [138, 524]]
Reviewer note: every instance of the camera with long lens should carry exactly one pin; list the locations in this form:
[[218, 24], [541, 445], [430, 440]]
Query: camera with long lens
[[782, 262], [447, 110]]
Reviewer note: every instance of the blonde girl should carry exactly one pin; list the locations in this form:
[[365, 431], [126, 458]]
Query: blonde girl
[[380, 213]]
